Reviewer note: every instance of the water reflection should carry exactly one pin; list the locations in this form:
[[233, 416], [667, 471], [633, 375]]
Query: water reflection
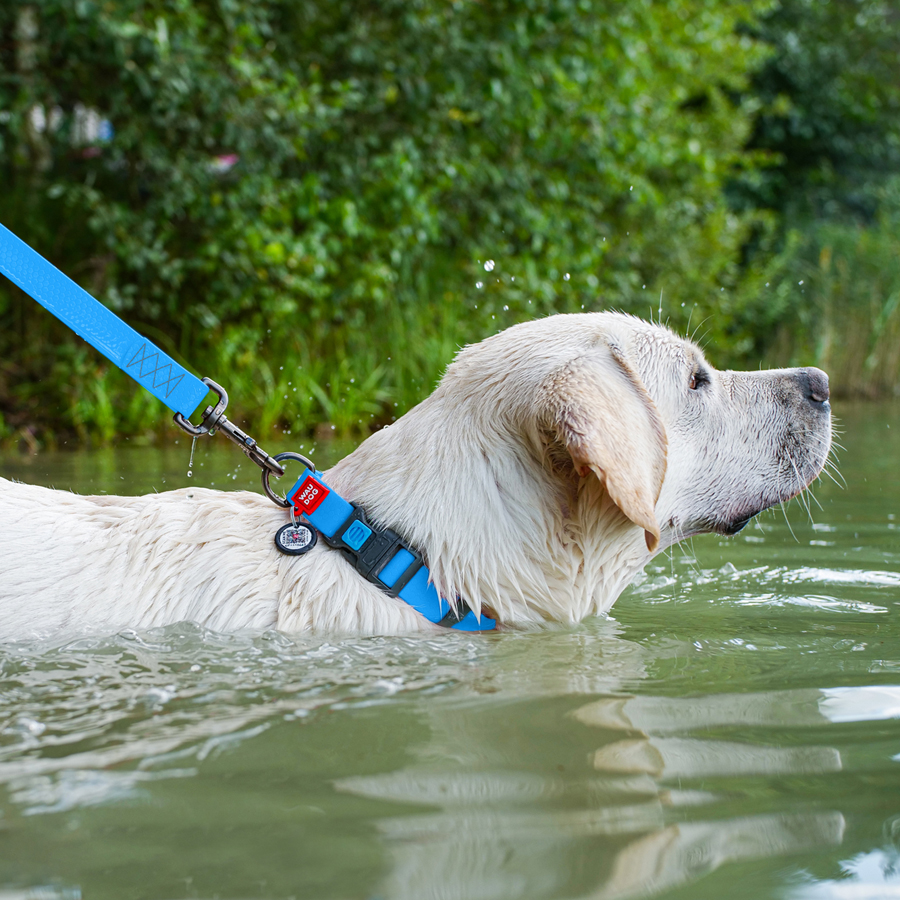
[[628, 832], [683, 853], [874, 875], [624, 849], [771, 709], [657, 815], [482, 769], [668, 758]]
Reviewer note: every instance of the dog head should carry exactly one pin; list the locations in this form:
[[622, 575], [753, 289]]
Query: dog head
[[680, 447], [557, 456]]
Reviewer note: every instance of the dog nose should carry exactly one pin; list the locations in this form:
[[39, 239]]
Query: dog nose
[[816, 385]]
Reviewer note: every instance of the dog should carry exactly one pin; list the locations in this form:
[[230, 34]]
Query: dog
[[551, 463]]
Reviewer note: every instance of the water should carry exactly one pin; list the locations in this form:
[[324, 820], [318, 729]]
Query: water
[[733, 732]]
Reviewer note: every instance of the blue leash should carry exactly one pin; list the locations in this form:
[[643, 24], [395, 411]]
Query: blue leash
[[122, 345], [378, 554], [88, 318]]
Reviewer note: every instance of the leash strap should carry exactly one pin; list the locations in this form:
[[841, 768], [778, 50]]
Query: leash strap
[[380, 555], [119, 343]]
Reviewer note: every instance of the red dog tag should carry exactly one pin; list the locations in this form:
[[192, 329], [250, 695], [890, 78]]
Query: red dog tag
[[309, 496]]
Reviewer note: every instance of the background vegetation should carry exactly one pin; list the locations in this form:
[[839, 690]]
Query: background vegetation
[[317, 203]]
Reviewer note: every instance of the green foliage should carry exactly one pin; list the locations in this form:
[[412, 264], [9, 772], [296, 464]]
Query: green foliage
[[820, 286], [836, 288], [412, 176], [830, 107]]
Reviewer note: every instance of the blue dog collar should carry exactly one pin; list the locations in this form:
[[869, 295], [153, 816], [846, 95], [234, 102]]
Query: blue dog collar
[[378, 554]]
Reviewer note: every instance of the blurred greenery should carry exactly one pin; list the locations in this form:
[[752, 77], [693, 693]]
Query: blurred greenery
[[317, 203], [830, 107]]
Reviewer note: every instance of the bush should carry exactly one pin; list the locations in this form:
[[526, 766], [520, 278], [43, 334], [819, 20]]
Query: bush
[[410, 176], [830, 108]]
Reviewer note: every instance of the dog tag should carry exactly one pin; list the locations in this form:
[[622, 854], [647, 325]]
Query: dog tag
[[295, 539]]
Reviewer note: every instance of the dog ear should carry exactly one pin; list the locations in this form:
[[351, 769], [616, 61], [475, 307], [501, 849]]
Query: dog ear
[[602, 413]]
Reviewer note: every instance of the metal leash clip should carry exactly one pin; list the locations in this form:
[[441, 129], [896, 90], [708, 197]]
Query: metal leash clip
[[214, 420]]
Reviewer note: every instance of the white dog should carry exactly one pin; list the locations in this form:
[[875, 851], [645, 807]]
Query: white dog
[[551, 463]]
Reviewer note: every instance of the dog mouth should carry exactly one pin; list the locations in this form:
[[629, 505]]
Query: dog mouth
[[730, 529], [730, 523], [725, 527]]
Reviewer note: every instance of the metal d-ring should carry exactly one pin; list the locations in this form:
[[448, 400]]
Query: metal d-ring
[[283, 502]]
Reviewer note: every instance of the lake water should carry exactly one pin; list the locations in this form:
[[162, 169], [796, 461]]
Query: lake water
[[733, 731]]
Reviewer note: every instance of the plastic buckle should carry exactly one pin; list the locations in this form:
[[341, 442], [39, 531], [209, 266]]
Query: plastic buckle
[[370, 549]]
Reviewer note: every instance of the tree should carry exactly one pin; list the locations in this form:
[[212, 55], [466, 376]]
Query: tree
[[830, 103], [408, 176]]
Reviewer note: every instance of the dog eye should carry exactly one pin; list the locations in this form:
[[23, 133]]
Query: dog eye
[[698, 379]]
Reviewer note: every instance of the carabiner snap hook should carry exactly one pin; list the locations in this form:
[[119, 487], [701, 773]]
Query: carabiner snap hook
[[214, 420], [211, 415]]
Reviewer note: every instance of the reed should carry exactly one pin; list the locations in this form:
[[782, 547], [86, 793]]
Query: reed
[[839, 285]]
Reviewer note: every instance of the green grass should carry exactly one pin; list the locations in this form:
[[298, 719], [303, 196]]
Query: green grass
[[839, 285], [830, 299]]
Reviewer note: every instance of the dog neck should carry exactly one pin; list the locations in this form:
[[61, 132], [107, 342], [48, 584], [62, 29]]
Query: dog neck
[[497, 526], [378, 554]]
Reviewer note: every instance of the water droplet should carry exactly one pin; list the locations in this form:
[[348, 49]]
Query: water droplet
[[489, 266], [479, 285], [566, 277], [190, 472]]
